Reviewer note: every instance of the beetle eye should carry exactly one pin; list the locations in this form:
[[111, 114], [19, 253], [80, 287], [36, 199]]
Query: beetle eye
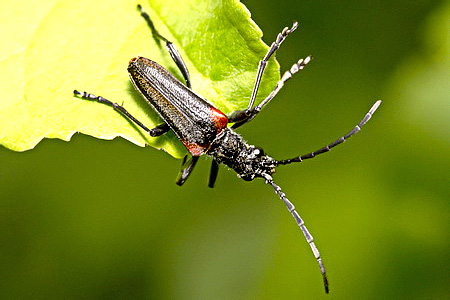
[[258, 152]]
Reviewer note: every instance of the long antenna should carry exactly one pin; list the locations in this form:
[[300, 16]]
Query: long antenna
[[302, 226], [336, 142]]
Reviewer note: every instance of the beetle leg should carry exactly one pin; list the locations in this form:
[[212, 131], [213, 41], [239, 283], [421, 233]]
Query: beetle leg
[[170, 47], [186, 168], [157, 131], [213, 173]]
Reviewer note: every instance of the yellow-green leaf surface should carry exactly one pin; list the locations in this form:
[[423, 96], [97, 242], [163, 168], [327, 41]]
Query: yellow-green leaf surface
[[49, 48]]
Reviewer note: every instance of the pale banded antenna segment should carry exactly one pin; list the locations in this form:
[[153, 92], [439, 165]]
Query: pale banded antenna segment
[[301, 224], [286, 76]]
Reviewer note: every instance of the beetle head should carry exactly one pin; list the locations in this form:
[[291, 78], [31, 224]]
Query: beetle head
[[256, 164]]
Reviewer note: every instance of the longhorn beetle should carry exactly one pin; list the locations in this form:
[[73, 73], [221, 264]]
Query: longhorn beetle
[[203, 129]]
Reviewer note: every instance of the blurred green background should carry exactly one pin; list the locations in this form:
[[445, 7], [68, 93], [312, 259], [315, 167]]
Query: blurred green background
[[95, 219]]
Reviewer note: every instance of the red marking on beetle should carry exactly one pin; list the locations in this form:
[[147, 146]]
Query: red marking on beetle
[[220, 121], [194, 148], [132, 60], [219, 118]]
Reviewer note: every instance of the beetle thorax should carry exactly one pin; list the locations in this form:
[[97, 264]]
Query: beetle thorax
[[230, 149]]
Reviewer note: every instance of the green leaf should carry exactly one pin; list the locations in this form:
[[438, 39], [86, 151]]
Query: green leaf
[[54, 47]]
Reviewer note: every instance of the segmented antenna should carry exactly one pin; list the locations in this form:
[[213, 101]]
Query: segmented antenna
[[262, 64], [335, 143], [302, 226], [299, 65]]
